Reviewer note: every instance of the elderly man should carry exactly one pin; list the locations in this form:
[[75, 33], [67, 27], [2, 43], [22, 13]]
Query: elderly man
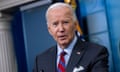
[[70, 54]]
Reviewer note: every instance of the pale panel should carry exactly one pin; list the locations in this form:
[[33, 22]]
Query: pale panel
[[4, 4]]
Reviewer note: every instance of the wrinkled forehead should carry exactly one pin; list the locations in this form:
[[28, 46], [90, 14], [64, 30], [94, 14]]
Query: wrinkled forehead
[[60, 11]]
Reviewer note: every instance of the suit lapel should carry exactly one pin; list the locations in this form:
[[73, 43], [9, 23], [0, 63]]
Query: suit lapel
[[77, 53]]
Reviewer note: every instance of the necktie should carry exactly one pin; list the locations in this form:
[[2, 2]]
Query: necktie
[[61, 65]]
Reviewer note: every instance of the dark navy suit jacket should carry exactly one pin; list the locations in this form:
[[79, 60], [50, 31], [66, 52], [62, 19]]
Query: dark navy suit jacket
[[89, 56]]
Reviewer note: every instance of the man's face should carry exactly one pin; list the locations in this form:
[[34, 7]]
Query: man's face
[[61, 26]]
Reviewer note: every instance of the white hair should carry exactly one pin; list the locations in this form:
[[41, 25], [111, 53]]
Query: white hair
[[61, 5]]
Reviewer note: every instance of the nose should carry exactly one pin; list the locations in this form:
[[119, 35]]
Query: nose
[[61, 28]]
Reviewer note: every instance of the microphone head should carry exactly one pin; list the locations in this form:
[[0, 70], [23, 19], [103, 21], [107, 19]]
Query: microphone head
[[41, 71]]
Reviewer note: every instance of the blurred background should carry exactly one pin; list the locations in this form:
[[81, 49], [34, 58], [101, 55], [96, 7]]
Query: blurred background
[[23, 30]]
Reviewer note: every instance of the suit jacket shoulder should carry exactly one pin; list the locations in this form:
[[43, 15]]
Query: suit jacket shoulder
[[92, 57], [47, 52], [46, 61]]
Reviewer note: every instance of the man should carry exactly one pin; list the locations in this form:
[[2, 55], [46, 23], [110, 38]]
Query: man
[[78, 56]]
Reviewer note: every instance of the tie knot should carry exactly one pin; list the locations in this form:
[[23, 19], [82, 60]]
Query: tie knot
[[63, 53]]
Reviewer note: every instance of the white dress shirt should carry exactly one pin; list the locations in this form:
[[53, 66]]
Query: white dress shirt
[[68, 50]]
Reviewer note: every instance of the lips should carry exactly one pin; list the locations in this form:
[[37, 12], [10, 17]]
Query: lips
[[62, 37]]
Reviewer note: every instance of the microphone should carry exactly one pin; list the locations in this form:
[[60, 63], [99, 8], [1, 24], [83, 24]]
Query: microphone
[[41, 70]]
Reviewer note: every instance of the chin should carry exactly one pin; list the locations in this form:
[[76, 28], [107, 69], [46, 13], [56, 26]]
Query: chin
[[64, 43]]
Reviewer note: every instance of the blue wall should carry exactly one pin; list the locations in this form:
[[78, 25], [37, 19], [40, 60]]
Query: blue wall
[[113, 14], [18, 39], [95, 13], [36, 36], [103, 27]]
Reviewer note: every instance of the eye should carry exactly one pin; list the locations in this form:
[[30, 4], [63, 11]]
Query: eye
[[55, 24], [65, 22]]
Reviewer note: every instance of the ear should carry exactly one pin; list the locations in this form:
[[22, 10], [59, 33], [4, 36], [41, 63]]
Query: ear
[[75, 25], [78, 28]]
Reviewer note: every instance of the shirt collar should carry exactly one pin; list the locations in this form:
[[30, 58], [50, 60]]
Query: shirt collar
[[68, 50]]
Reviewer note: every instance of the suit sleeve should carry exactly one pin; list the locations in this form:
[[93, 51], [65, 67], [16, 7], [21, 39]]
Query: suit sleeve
[[100, 63]]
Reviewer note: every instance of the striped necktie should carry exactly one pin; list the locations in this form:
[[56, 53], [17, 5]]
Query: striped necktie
[[61, 65]]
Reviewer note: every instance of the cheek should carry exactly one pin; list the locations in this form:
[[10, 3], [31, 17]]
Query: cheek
[[53, 33], [72, 29]]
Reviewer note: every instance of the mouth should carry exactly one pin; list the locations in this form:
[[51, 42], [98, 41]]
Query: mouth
[[62, 37]]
